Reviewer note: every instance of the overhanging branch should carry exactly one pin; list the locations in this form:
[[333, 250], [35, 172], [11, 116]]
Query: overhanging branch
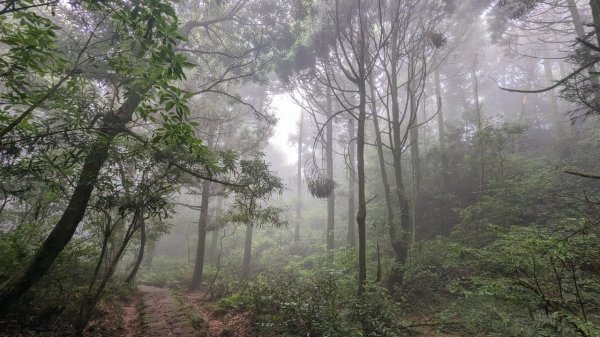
[[558, 83], [181, 167], [584, 175]]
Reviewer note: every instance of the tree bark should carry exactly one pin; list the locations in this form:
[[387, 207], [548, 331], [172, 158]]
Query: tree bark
[[196, 281], [393, 233], [446, 213], [558, 125], [329, 159], [417, 225], [202, 223], [479, 127], [140, 257], [299, 179], [13, 288], [351, 237], [247, 252], [595, 5], [400, 241], [91, 298], [361, 216], [149, 253], [212, 250]]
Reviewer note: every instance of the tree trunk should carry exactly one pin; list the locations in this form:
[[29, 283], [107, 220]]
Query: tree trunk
[[212, 250], [91, 297], [400, 241], [595, 5], [351, 237], [202, 223], [479, 127], [140, 257], [13, 288], [558, 123], [393, 233], [149, 254], [247, 252], [196, 281], [580, 31], [299, 179], [361, 216], [329, 159], [446, 213], [576, 18], [417, 225]]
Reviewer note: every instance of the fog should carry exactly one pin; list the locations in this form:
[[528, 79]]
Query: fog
[[300, 168]]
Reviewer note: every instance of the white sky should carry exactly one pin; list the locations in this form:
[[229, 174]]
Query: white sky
[[288, 115]]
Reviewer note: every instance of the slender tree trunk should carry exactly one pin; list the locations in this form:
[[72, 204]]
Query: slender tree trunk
[[196, 281], [576, 18], [595, 5], [140, 257], [149, 254], [400, 242], [361, 216], [299, 179], [566, 106], [329, 159], [558, 125], [202, 223], [91, 298], [247, 252], [446, 213], [212, 250], [351, 238], [580, 31], [393, 233], [479, 127], [417, 226]]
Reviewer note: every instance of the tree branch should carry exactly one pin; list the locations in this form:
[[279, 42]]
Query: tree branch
[[558, 83], [584, 175]]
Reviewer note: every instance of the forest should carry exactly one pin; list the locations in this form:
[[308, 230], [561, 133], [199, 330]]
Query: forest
[[316, 168]]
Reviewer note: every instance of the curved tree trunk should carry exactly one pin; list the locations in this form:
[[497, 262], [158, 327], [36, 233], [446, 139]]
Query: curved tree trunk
[[91, 298], [13, 288]]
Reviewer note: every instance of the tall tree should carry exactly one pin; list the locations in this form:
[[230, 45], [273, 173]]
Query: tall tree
[[351, 236], [299, 178]]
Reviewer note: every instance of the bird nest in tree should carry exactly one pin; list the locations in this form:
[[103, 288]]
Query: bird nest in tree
[[319, 186]]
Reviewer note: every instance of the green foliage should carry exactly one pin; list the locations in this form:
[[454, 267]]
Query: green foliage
[[318, 305], [313, 295], [537, 280], [257, 184], [167, 272]]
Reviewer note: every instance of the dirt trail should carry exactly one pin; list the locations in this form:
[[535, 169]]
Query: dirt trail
[[163, 316], [158, 312]]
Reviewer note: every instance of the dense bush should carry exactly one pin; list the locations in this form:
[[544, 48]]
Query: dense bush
[[316, 297]]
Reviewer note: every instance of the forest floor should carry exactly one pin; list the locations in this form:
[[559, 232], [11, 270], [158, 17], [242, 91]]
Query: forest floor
[[162, 312]]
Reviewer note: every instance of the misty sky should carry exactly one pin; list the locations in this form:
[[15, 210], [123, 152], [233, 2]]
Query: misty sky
[[288, 114]]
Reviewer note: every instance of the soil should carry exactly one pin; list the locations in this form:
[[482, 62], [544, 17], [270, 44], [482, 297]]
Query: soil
[[158, 312]]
